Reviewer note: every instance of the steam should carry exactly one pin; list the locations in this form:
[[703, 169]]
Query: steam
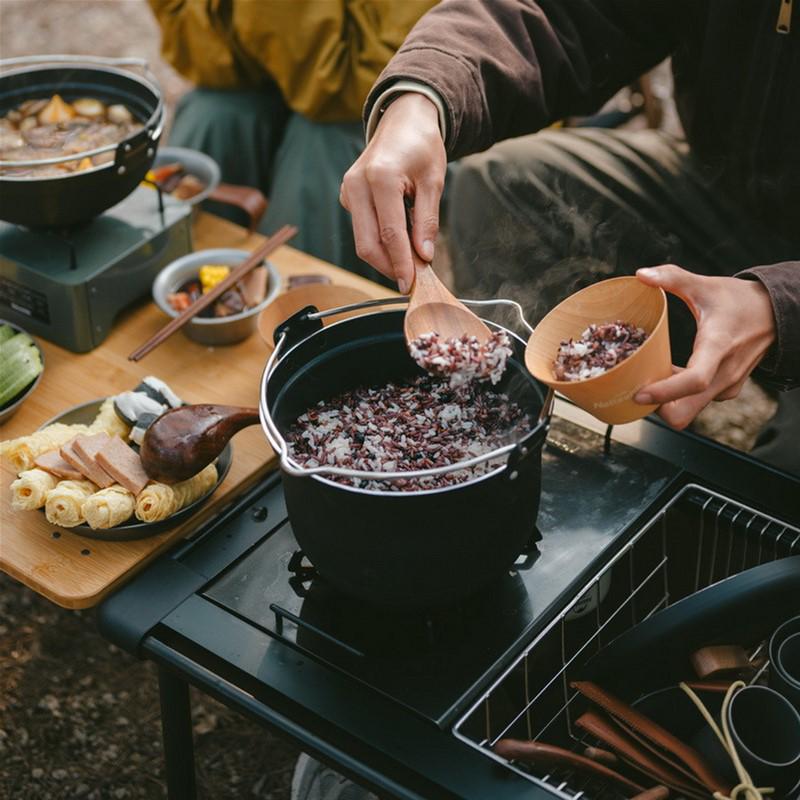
[[535, 243]]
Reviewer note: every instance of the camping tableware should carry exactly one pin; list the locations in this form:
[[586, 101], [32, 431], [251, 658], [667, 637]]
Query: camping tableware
[[609, 396]]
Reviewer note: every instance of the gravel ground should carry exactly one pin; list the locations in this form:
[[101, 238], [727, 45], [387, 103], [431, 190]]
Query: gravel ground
[[78, 717]]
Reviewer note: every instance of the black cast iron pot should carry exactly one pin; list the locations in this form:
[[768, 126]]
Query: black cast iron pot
[[75, 197], [402, 549]]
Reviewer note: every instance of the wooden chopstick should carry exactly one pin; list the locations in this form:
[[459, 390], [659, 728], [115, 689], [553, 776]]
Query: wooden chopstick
[[273, 243]]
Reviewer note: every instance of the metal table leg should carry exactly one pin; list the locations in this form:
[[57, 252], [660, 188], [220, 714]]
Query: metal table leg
[[176, 730]]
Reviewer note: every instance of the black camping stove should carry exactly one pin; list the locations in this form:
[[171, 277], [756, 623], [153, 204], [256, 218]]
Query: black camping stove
[[429, 661], [239, 613], [68, 286]]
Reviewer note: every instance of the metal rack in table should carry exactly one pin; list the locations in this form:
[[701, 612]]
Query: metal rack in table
[[406, 706]]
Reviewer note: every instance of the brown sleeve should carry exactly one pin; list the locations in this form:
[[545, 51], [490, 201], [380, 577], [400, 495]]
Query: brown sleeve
[[508, 67], [782, 281]]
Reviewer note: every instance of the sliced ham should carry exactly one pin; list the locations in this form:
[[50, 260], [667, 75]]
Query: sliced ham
[[87, 447], [87, 467], [123, 464], [53, 463]]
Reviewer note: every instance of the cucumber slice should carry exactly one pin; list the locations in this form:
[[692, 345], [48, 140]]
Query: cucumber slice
[[17, 366], [6, 332], [24, 378], [7, 361], [17, 371], [17, 342]]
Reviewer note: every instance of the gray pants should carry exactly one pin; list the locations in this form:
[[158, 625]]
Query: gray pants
[[296, 163], [538, 217]]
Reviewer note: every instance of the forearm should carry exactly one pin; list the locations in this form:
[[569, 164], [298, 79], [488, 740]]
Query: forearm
[[508, 67]]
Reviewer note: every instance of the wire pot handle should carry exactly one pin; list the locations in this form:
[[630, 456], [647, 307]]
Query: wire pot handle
[[387, 301], [280, 446]]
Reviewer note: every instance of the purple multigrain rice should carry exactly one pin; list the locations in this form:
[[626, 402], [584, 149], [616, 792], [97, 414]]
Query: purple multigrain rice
[[600, 348], [463, 360], [399, 427]]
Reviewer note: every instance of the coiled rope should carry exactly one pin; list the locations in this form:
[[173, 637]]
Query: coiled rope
[[745, 789]]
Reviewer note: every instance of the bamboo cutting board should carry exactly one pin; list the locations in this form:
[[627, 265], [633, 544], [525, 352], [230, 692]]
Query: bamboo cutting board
[[77, 572]]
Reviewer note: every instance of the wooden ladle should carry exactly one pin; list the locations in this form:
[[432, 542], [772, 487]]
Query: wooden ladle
[[184, 440], [431, 307]]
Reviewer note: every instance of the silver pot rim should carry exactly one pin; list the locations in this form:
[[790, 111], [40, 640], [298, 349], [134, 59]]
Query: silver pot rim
[[280, 446]]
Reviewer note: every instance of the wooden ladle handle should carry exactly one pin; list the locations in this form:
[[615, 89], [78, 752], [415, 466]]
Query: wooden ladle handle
[[184, 440]]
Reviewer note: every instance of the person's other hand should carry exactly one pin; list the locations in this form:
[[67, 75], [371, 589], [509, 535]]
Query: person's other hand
[[406, 158], [735, 328]]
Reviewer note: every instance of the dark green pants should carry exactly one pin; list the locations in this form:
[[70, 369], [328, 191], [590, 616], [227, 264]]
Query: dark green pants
[[538, 217], [298, 164]]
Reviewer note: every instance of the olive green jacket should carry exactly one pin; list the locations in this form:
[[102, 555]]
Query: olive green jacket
[[324, 55]]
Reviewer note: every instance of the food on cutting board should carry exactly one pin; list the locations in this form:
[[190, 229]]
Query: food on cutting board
[[599, 348], [176, 181], [44, 128], [81, 453], [158, 501], [399, 427], [29, 490], [53, 462], [141, 407], [124, 464], [20, 363], [93, 474], [64, 504], [247, 293], [462, 360], [22, 452], [109, 507]]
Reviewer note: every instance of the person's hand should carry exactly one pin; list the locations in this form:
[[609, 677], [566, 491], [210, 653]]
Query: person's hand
[[735, 328], [406, 158]]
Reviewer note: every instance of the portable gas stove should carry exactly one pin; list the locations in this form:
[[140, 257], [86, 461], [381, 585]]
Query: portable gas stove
[[409, 704], [68, 286]]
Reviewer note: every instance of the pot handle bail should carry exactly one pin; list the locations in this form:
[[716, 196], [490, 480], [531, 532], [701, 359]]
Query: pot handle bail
[[298, 327]]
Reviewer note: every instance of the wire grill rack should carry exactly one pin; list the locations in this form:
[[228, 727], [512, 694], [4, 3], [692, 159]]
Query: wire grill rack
[[697, 539]]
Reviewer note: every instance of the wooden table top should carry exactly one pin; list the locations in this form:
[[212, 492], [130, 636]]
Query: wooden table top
[[77, 572]]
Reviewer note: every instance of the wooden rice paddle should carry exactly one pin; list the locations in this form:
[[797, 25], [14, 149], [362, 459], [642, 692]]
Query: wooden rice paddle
[[273, 243], [431, 307], [184, 440]]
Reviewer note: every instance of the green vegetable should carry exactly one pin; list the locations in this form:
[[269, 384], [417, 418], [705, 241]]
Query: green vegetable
[[20, 363]]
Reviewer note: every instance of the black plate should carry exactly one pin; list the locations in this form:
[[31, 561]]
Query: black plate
[[85, 414], [743, 608]]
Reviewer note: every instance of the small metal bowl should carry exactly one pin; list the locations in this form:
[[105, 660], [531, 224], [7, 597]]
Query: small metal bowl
[[213, 330], [9, 409], [198, 164]]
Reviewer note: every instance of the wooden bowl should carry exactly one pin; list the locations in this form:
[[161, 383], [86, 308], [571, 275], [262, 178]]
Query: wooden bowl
[[321, 295], [609, 396]]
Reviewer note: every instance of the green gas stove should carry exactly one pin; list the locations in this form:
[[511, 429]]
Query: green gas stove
[[68, 286]]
